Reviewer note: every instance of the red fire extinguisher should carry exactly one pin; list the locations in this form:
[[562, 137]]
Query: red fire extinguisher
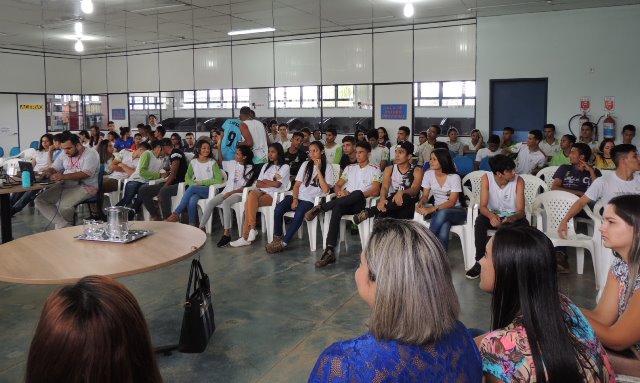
[[609, 127], [583, 119]]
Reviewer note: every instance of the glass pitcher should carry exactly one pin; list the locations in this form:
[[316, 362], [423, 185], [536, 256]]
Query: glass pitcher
[[117, 221]]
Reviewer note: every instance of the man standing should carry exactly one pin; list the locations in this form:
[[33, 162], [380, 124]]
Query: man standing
[[623, 181], [549, 145], [294, 156], [425, 149], [356, 184], [78, 169], [231, 135], [562, 156], [530, 158], [153, 122], [254, 135]]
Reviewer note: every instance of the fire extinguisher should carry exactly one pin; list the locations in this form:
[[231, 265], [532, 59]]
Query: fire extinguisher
[[609, 127], [583, 118]]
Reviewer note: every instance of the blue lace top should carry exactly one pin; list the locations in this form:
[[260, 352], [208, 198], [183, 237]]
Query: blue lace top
[[454, 358]]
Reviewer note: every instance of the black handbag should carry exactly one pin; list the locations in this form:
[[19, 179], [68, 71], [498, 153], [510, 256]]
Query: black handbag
[[198, 320]]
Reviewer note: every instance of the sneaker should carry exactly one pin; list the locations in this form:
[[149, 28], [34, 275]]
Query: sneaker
[[173, 218], [224, 241], [253, 233], [275, 246], [328, 257], [473, 272], [313, 213], [562, 262], [360, 217], [240, 242], [354, 229]]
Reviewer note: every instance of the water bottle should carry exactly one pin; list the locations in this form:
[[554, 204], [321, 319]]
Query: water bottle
[[26, 179]]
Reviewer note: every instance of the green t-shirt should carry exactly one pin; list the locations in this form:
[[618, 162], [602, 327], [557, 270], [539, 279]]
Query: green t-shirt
[[559, 159]]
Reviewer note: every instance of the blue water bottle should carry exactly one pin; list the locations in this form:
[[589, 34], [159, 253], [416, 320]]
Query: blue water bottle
[[26, 179]]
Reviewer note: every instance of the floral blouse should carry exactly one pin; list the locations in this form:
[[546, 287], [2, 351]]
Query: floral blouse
[[453, 358], [620, 271], [506, 353]]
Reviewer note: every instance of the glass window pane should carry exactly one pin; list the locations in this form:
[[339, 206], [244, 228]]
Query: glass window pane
[[429, 102], [227, 94], [309, 92], [415, 89], [345, 92], [452, 89], [430, 89], [242, 94], [452, 102], [328, 104], [214, 95], [345, 104], [293, 93], [138, 100], [470, 88], [469, 101], [329, 92], [279, 94]]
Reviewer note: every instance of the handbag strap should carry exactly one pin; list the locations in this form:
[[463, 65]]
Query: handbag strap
[[193, 271], [197, 278]]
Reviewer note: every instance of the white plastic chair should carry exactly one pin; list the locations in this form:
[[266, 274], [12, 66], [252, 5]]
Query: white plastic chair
[[475, 178], [533, 186], [554, 205], [312, 226], [546, 174], [213, 190]]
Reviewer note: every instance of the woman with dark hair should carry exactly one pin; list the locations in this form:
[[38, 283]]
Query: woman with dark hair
[[92, 331], [203, 171], [241, 174], [105, 151], [176, 141], [112, 137], [94, 138], [383, 137], [125, 141], [615, 318], [604, 160], [445, 184], [538, 334], [41, 161], [361, 136], [414, 333], [273, 178], [314, 178]]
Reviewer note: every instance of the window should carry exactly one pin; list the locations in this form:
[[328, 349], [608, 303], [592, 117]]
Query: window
[[293, 97], [147, 102], [214, 98], [445, 93], [338, 96]]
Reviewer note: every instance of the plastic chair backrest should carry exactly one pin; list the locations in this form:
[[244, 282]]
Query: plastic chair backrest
[[14, 151], [475, 181], [34, 145], [471, 156], [556, 204], [336, 172], [464, 165], [546, 174], [1, 152], [533, 186], [484, 164]]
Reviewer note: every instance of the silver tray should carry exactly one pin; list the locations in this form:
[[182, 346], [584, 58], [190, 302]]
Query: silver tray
[[133, 235]]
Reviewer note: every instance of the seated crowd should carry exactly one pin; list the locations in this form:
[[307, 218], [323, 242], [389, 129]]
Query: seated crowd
[[408, 206]]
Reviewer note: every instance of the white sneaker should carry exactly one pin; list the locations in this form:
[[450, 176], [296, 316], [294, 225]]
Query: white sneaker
[[240, 242], [253, 233]]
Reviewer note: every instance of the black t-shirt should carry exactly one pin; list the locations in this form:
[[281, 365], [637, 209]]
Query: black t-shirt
[[575, 179], [178, 155], [345, 161], [294, 160]]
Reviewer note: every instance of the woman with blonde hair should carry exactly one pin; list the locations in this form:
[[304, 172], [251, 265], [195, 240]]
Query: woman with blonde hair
[[92, 331], [414, 333]]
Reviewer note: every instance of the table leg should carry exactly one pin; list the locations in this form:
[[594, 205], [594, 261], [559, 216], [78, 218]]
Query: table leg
[[5, 217]]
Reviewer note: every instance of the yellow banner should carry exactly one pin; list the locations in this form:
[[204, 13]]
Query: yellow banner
[[31, 106]]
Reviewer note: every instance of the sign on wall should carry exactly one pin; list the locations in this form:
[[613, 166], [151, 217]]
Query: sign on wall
[[32, 106], [393, 111], [118, 114]]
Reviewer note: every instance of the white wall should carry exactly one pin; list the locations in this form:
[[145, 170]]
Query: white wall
[[8, 122], [580, 52], [21, 73]]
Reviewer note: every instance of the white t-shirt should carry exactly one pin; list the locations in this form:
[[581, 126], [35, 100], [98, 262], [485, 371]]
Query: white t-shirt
[[88, 162], [456, 147], [549, 149], [378, 154], [259, 137], [309, 193], [236, 176], [484, 153], [442, 193], [274, 173], [358, 178], [527, 160], [126, 157], [332, 153], [42, 160], [202, 170], [609, 186]]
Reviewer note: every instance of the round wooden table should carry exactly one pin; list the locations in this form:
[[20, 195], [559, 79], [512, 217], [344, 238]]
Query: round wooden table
[[55, 257], [5, 205]]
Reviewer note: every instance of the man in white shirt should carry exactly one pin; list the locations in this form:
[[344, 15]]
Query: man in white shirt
[[153, 122], [530, 158], [253, 135], [78, 170], [492, 149], [550, 145], [357, 183], [379, 154], [586, 137], [623, 181]]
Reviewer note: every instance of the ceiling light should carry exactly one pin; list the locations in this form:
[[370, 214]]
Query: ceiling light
[[408, 10], [78, 28], [79, 47], [86, 6], [249, 31]]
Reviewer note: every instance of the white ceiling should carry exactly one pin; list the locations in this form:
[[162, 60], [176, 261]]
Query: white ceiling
[[118, 25]]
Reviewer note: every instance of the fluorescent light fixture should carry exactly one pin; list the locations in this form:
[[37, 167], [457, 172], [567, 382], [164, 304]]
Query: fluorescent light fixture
[[408, 10], [79, 47], [86, 6], [249, 31], [78, 28], [160, 8]]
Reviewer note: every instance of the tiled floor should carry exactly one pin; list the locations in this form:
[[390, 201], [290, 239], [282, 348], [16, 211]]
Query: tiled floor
[[274, 313]]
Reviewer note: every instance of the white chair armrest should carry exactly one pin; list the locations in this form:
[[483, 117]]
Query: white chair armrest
[[245, 192]]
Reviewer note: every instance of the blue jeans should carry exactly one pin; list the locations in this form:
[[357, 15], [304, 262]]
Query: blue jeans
[[442, 220], [285, 206], [129, 193], [20, 200], [189, 201]]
